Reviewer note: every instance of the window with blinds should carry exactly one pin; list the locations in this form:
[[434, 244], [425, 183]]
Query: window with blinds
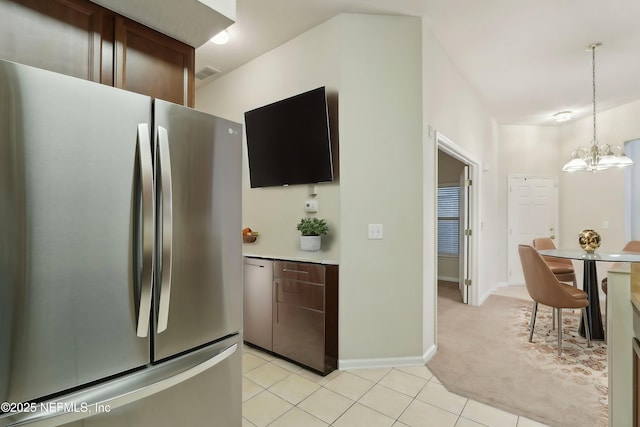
[[448, 220]]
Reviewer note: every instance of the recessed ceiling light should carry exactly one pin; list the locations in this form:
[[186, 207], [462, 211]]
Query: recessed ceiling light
[[221, 38], [563, 116]]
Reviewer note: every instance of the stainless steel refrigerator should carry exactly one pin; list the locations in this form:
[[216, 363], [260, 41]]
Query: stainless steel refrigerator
[[120, 257]]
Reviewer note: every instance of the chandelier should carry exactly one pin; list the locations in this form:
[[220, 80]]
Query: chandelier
[[596, 157]]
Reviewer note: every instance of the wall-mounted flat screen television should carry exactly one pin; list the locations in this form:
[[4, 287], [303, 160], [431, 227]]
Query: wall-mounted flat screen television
[[288, 142]]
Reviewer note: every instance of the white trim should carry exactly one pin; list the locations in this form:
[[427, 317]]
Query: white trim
[[494, 289], [450, 148], [486, 295], [430, 273], [448, 279], [387, 362], [431, 351]]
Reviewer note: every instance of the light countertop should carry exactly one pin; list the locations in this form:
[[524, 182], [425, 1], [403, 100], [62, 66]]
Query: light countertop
[[301, 258]]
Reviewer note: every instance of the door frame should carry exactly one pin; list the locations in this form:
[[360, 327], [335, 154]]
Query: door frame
[[450, 148]]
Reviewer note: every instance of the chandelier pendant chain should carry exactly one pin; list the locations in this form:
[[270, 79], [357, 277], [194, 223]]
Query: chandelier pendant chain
[[597, 157], [593, 80]]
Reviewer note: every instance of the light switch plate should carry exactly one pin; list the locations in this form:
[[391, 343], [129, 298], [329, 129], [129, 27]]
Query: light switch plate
[[375, 231]]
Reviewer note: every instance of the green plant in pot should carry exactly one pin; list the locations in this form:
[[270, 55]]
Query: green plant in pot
[[312, 229]]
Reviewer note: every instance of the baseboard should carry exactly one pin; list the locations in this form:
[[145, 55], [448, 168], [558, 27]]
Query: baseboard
[[385, 362], [448, 279], [484, 297], [431, 351]]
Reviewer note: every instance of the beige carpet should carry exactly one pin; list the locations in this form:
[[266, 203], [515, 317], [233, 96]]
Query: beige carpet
[[484, 354]]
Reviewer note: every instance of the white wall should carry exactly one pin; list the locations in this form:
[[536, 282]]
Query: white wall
[[378, 87], [307, 62], [529, 150], [381, 171], [453, 108]]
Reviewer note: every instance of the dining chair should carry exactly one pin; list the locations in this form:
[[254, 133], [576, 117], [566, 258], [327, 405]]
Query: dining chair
[[545, 288], [562, 268], [631, 246]]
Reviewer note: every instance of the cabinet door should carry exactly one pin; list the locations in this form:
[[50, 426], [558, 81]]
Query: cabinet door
[[64, 36], [298, 324], [258, 302], [153, 64]]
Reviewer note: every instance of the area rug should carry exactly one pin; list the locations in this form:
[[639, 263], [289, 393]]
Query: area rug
[[484, 354]]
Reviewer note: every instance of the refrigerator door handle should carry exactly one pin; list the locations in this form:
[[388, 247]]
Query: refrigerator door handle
[[146, 189], [119, 392], [164, 165]]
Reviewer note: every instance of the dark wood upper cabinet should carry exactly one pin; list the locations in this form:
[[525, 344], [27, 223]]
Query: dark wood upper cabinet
[[82, 39], [152, 63], [64, 36]]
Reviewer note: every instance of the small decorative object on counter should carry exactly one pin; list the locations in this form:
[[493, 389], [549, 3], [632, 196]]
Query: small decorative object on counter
[[249, 236], [312, 229], [589, 240]]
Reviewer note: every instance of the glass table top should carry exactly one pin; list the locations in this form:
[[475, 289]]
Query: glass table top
[[621, 256]]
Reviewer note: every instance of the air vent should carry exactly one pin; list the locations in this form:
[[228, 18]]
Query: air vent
[[206, 72]]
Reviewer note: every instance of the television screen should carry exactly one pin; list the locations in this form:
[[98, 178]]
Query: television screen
[[288, 141]]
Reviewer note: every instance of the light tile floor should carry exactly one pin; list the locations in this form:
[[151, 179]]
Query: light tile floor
[[277, 393]]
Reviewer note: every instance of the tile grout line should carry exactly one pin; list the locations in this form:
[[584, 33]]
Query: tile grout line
[[396, 419]]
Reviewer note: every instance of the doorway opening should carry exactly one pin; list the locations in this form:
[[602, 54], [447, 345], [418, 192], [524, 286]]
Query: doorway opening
[[456, 213]]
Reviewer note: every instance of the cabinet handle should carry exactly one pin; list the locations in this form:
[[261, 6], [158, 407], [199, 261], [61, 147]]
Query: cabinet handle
[[255, 265], [295, 271], [276, 301]]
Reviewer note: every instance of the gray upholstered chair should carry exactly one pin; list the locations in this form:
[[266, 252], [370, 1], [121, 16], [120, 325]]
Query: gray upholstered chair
[[545, 288]]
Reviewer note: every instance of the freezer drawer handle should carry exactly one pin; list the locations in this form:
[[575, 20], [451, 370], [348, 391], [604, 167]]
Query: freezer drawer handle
[[164, 166], [121, 391], [146, 180]]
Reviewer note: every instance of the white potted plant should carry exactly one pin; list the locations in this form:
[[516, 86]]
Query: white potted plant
[[311, 229]]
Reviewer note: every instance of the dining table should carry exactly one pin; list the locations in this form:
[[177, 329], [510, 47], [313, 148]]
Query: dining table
[[590, 280]]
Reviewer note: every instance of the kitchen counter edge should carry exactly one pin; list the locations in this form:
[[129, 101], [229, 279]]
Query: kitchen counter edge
[[293, 258]]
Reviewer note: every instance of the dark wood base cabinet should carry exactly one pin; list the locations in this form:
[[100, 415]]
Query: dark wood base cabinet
[[304, 314]]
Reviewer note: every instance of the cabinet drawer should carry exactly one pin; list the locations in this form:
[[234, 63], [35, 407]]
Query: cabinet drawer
[[303, 271], [301, 294]]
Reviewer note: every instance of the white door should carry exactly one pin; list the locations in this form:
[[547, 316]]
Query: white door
[[465, 235], [532, 213]]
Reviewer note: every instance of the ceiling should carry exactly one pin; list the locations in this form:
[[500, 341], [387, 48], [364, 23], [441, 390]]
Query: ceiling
[[527, 59]]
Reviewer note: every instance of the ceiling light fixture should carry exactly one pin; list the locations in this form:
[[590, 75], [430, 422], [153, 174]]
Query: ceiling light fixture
[[221, 38], [563, 116], [596, 157]]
